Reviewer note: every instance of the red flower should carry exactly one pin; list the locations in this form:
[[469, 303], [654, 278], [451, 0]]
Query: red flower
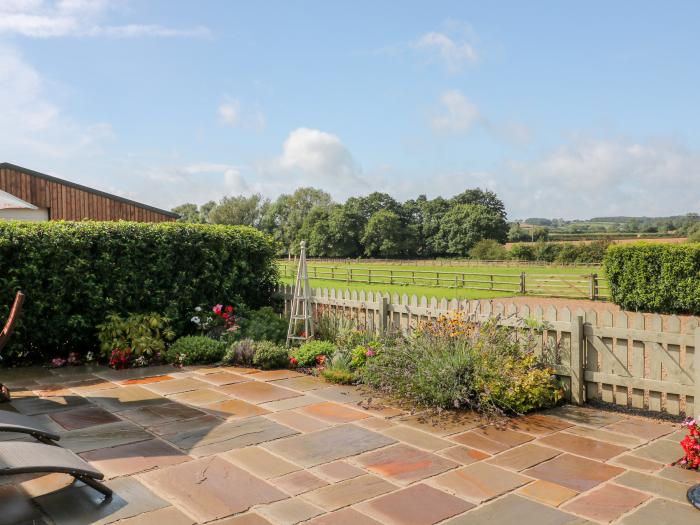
[[293, 361], [229, 308]]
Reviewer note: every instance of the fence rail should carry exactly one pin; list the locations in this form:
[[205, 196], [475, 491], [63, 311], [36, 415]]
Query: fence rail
[[446, 262], [589, 286], [643, 361]]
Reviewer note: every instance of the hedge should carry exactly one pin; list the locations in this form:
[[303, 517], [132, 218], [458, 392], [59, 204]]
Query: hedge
[[662, 278], [75, 273]]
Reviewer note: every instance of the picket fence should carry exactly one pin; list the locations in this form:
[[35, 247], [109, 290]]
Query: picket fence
[[644, 361]]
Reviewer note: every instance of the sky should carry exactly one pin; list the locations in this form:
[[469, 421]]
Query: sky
[[564, 109]]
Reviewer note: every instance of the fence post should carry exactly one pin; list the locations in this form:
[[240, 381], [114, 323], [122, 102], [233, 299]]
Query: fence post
[[383, 314], [577, 349], [522, 282], [696, 397], [593, 286]]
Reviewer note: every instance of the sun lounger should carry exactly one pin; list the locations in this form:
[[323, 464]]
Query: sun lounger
[[17, 457], [13, 422], [5, 336]]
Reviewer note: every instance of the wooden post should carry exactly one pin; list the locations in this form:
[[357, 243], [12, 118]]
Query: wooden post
[[349, 274], [383, 314], [391, 276], [696, 397], [577, 349], [522, 282], [593, 286]]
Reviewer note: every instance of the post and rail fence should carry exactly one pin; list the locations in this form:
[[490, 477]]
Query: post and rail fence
[[643, 361], [573, 286]]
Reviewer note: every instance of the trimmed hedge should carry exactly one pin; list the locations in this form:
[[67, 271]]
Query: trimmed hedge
[[661, 278], [75, 273]]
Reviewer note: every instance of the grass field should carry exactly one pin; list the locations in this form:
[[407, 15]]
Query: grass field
[[417, 279]]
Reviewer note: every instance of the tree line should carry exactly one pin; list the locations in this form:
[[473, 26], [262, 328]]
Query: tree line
[[376, 225]]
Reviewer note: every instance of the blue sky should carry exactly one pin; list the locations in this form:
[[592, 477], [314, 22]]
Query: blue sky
[[566, 110]]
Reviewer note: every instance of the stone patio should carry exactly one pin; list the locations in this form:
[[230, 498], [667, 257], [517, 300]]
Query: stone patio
[[235, 446]]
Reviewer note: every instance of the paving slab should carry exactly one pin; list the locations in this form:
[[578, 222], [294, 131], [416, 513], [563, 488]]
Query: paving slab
[[404, 464], [275, 375], [260, 462], [515, 509], [523, 457], [623, 440], [480, 482], [258, 392], [417, 438], [538, 424], [177, 386], [166, 516], [160, 414], [291, 403], [290, 511], [17, 507], [133, 373], [198, 398], [82, 417], [581, 446], [574, 472], [345, 516], [415, 505], [643, 429], [332, 412], [129, 459], [663, 487], [349, 492], [211, 488], [298, 421], [546, 492], [302, 384], [662, 512], [606, 503], [584, 416], [298, 482], [234, 409], [79, 504], [342, 394], [337, 471], [463, 454], [323, 446], [102, 436], [224, 378], [661, 451], [376, 423], [31, 406], [677, 473], [249, 518], [126, 398], [146, 380], [444, 424], [629, 461]]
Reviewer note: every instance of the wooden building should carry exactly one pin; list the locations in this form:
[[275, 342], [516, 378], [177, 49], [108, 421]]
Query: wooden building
[[37, 196]]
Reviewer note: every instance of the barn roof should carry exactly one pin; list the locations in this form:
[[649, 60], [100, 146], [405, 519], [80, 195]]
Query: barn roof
[[51, 178]]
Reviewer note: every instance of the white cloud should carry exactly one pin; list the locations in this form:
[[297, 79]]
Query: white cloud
[[230, 112], [457, 114], [42, 19], [454, 54]]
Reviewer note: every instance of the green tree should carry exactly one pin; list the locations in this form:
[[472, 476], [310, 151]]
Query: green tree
[[188, 213], [385, 235], [466, 224], [482, 197], [488, 250], [205, 209], [240, 211]]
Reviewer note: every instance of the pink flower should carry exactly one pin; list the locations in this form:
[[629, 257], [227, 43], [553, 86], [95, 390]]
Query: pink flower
[[217, 309], [370, 353]]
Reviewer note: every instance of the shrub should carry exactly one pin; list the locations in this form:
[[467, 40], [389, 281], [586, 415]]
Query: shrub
[[269, 355], [241, 353], [195, 349], [331, 325], [265, 325], [307, 354], [362, 353], [488, 250], [522, 252], [338, 369], [662, 278], [74, 273], [144, 334]]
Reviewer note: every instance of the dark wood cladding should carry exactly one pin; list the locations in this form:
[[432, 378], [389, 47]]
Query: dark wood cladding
[[68, 201]]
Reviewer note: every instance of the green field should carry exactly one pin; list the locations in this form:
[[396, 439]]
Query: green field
[[461, 282]]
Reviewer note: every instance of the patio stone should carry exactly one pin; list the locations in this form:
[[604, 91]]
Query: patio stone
[[291, 403], [17, 507], [211, 488], [79, 504], [260, 462], [480, 481], [349, 492], [290, 511], [574, 472], [665, 488], [590, 448], [177, 386], [274, 375], [343, 517], [133, 373], [647, 430], [491, 439], [417, 438], [302, 384], [623, 440], [126, 398], [298, 421], [208, 435], [298, 482], [332, 412], [662, 512], [687, 476], [224, 378], [249, 518], [234, 409], [135, 457], [327, 445], [38, 486], [198, 398], [161, 414], [663, 451], [376, 423], [637, 463], [338, 471], [444, 424], [146, 380], [94, 385], [515, 509], [31, 406], [83, 417], [404, 464], [584, 416], [538, 424], [258, 392], [166, 516], [53, 391], [341, 394], [464, 455], [102, 436], [525, 456], [546, 492], [415, 505], [606, 503]]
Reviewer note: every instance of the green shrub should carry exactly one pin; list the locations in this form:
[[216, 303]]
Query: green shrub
[[522, 252], [75, 273], [195, 349], [145, 334], [361, 353], [662, 278], [265, 325], [269, 355], [338, 369], [241, 353], [307, 353], [488, 250], [331, 325]]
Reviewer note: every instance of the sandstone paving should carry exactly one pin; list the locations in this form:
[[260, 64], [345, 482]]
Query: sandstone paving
[[258, 392], [274, 375], [32, 406], [260, 462], [177, 386], [249, 518], [135, 457], [211, 488], [662, 512], [463, 454], [16, 506], [661, 451], [233, 409], [538, 424], [224, 378], [81, 417], [636, 463], [416, 505], [291, 403], [659, 486], [298, 482], [337, 471], [165, 516], [525, 456], [404, 464], [689, 477], [342, 394], [480, 482], [546, 492], [590, 448], [606, 503], [126, 398], [102, 436], [302, 383], [376, 423], [349, 492], [343, 517], [332, 412], [444, 424], [160, 414], [616, 438], [646, 430], [198, 398], [417, 438], [146, 380], [584, 415], [574, 472], [298, 421], [290, 511]]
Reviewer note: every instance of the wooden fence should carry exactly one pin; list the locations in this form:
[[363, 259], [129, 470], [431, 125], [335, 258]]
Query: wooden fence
[[445, 262], [636, 360], [573, 286]]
